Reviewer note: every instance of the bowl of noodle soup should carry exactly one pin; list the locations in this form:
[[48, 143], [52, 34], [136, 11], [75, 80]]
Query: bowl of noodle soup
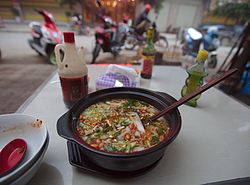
[[111, 127]]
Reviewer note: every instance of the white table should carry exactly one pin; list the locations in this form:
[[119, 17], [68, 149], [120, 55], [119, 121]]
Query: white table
[[213, 144]]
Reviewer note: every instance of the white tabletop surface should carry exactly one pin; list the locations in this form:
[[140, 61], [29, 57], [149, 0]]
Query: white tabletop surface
[[213, 144]]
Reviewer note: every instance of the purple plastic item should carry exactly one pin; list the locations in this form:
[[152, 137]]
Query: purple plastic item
[[109, 80]]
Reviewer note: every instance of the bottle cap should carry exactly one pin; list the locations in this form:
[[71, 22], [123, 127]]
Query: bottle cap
[[202, 55], [150, 32], [69, 37]]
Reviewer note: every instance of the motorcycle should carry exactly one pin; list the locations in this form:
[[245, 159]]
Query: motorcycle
[[76, 23], [109, 38], [192, 39], [135, 38], [211, 43], [45, 36]]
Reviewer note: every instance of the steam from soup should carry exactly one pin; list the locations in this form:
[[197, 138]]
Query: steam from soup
[[113, 126]]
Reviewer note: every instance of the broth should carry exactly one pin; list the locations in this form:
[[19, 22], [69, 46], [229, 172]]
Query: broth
[[113, 126]]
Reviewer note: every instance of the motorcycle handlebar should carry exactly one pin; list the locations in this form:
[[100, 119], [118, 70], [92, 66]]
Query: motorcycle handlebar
[[38, 10], [99, 3]]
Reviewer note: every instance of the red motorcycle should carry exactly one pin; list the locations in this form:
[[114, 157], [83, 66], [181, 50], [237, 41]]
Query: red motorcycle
[[45, 36], [106, 39]]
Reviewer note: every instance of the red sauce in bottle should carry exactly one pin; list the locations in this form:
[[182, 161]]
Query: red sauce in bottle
[[72, 70], [73, 89], [147, 69]]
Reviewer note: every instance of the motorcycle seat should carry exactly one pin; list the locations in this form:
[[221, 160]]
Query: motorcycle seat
[[37, 29]]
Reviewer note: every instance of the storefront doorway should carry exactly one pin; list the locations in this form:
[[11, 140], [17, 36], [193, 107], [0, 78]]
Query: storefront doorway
[[116, 9]]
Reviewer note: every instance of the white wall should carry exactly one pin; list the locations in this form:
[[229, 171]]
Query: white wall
[[161, 21], [186, 15], [179, 13]]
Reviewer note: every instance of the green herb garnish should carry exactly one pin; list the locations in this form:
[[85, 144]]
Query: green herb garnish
[[106, 128], [160, 131], [117, 133], [125, 123], [109, 148], [130, 103], [154, 140]]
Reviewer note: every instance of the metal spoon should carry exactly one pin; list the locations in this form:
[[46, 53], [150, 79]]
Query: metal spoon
[[192, 95]]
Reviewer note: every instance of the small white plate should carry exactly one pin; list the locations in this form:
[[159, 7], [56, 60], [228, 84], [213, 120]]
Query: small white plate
[[14, 126]]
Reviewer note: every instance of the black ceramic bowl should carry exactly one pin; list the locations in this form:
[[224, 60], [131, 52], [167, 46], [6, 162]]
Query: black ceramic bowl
[[67, 123]]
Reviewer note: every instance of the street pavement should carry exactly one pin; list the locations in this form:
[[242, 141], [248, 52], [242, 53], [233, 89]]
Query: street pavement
[[21, 31], [22, 71], [14, 45]]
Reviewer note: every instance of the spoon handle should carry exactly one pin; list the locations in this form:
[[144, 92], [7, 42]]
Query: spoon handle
[[186, 98]]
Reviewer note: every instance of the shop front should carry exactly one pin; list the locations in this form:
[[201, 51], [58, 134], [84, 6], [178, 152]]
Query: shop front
[[116, 9]]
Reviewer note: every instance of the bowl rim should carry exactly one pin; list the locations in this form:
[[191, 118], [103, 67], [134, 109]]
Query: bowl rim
[[24, 165]]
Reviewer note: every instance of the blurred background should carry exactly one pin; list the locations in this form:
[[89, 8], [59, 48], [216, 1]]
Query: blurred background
[[23, 69], [169, 14]]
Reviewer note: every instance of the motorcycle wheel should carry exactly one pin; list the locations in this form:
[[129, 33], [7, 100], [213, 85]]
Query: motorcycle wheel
[[52, 58], [161, 43], [115, 52], [130, 43], [50, 53], [212, 62], [96, 52]]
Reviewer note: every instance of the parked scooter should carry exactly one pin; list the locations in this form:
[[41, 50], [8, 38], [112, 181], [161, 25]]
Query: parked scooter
[[45, 36], [211, 43], [135, 38], [192, 39], [76, 23], [109, 38]]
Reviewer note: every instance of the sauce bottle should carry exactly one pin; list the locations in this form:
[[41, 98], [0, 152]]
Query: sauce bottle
[[72, 70], [196, 73], [148, 53]]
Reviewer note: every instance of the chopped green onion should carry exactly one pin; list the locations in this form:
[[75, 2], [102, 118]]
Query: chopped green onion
[[117, 133], [154, 140], [106, 128], [160, 131], [128, 148], [109, 148], [125, 123]]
